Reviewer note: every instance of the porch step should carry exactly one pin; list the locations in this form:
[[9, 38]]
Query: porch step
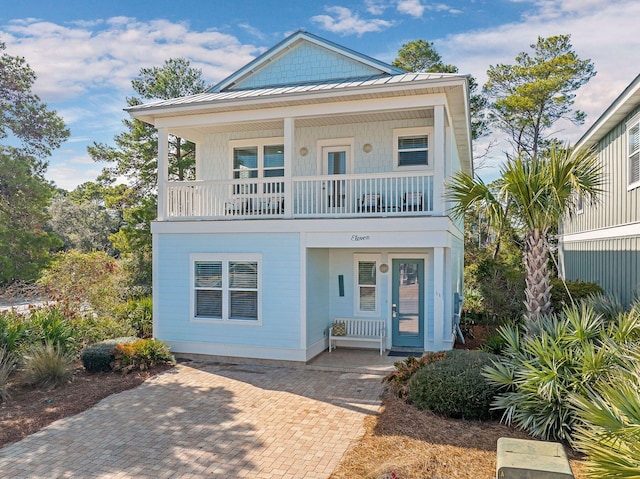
[[349, 360]]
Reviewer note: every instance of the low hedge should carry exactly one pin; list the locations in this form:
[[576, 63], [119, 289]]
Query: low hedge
[[454, 386], [98, 356]]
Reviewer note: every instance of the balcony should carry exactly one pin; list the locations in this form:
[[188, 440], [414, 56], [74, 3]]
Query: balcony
[[357, 195]]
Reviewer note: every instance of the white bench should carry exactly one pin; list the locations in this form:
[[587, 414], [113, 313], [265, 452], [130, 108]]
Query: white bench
[[371, 330]]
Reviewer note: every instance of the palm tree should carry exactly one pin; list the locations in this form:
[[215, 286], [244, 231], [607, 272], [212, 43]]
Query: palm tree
[[534, 195]]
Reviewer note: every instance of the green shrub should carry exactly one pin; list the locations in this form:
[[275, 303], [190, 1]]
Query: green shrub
[[610, 415], [49, 325], [561, 355], [13, 331], [579, 291], [78, 280], [99, 356], [399, 379], [494, 288], [46, 365], [138, 313], [141, 354], [90, 329], [454, 386], [495, 343], [6, 367]]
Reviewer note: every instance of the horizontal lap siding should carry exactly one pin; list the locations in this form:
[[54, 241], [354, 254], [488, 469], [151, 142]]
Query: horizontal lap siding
[[280, 289], [616, 205], [613, 263]]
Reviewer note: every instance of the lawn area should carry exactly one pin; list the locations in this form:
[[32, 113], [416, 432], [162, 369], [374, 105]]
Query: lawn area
[[406, 443]]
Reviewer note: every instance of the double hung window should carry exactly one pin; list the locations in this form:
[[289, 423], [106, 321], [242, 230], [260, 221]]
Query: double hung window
[[366, 283], [411, 148], [226, 287]]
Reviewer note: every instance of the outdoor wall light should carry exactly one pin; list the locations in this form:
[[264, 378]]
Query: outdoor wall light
[[367, 148], [303, 151], [384, 267]]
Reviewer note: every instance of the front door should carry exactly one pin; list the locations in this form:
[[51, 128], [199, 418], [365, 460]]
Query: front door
[[336, 160], [407, 309]]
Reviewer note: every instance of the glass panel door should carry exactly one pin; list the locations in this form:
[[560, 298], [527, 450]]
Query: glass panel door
[[335, 159], [407, 312]]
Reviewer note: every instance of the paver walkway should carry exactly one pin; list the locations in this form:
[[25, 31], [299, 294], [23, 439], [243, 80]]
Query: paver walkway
[[216, 420]]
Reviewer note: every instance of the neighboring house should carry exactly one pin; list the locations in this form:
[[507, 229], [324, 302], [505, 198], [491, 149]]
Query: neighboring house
[[601, 243], [318, 194]]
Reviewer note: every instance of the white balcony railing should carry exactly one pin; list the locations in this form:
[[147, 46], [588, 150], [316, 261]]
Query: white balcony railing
[[387, 194]]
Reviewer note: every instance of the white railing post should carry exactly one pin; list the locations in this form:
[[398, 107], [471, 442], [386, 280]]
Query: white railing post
[[163, 172], [439, 160]]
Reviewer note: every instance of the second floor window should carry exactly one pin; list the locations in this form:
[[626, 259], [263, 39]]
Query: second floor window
[[411, 148], [257, 159]]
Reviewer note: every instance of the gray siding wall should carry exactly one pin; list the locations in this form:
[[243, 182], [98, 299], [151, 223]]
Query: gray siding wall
[[612, 263], [617, 205]]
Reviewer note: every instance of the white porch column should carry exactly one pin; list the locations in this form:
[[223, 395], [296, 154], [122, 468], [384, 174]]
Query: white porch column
[[439, 289], [163, 172], [289, 145], [439, 159]]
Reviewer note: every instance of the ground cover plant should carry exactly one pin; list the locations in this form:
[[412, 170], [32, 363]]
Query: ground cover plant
[[560, 357]]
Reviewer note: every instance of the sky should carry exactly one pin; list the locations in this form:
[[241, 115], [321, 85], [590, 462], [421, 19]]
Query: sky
[[86, 52]]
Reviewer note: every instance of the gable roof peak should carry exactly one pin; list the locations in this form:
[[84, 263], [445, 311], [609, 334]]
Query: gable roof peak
[[293, 40]]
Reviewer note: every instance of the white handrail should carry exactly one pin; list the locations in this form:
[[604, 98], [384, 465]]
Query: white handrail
[[374, 194]]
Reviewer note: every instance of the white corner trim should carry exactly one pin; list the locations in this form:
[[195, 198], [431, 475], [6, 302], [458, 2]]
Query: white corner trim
[[630, 229]]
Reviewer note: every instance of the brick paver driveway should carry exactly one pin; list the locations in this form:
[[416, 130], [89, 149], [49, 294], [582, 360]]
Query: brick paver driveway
[[212, 421]]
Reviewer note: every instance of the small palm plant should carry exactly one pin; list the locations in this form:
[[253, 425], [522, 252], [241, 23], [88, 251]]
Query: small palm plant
[[610, 430], [561, 355]]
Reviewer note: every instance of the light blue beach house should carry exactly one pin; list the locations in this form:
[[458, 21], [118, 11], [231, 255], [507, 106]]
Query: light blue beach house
[[318, 195]]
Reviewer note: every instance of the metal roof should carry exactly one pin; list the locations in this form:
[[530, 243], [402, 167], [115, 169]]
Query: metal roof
[[293, 89]]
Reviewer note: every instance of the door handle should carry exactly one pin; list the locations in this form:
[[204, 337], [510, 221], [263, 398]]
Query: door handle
[[394, 310]]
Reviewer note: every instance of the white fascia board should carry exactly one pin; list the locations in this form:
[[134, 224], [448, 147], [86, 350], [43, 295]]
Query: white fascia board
[[306, 110], [630, 229], [424, 231]]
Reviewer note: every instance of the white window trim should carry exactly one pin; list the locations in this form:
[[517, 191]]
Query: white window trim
[[630, 124], [259, 143], [224, 258], [422, 130], [357, 258], [337, 144]]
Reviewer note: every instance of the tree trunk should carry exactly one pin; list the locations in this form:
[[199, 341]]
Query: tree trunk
[[538, 290]]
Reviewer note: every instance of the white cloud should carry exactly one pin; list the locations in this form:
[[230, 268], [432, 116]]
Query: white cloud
[[595, 27], [251, 30], [411, 7], [73, 172], [344, 22], [376, 7], [71, 60]]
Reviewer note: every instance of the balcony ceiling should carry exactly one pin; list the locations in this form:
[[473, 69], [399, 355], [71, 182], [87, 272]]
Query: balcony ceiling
[[199, 132]]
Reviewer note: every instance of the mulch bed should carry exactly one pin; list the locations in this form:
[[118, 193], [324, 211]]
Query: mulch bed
[[29, 409], [406, 443]]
